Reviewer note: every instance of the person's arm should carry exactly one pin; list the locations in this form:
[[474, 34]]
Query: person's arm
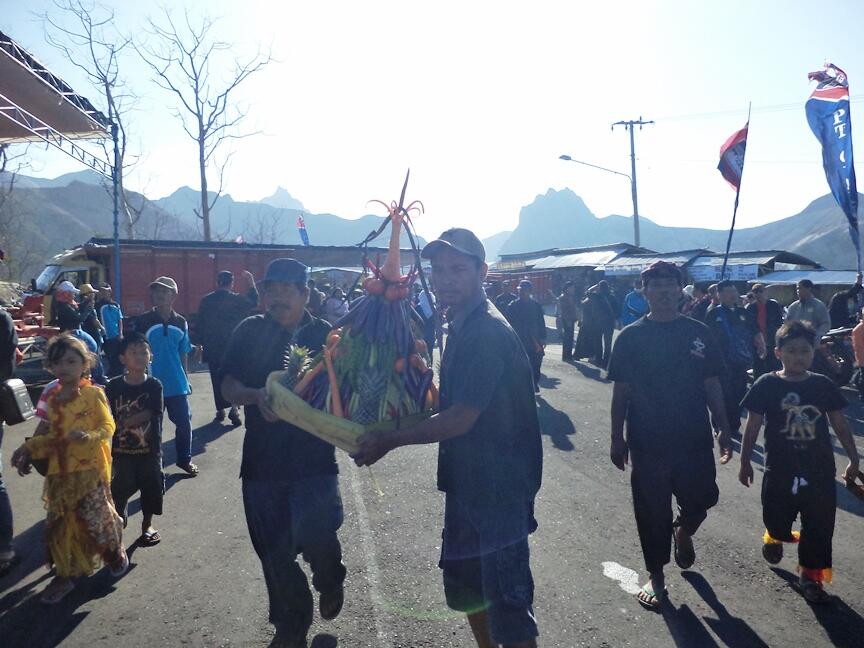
[[751, 433], [236, 393], [714, 393], [844, 436], [618, 451], [8, 344], [541, 325], [823, 320], [251, 288], [452, 422], [103, 423]]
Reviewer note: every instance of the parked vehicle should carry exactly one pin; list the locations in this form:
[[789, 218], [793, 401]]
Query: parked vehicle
[[835, 357]]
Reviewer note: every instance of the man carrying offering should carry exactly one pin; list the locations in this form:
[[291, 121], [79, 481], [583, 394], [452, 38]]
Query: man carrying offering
[[489, 455], [290, 485], [666, 371]]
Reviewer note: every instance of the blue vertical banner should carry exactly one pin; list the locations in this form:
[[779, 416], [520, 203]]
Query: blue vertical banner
[[828, 115], [301, 227]]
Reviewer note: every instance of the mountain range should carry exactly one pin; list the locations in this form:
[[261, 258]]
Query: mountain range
[[560, 219], [42, 217]]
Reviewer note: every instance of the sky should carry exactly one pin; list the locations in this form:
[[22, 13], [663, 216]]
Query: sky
[[480, 98]]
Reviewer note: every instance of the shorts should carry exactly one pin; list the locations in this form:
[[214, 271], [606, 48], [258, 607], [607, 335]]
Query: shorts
[[132, 473], [498, 581]]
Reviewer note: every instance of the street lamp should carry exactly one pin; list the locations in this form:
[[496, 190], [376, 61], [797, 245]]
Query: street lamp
[[567, 158]]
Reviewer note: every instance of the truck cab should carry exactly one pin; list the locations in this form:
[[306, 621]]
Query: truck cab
[[73, 266]]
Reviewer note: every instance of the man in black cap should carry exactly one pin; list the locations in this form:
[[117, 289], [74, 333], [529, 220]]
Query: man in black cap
[[218, 315], [490, 458], [665, 367], [290, 484], [526, 317]]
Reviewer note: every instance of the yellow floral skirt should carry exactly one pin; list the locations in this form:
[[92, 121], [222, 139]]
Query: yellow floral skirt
[[83, 527]]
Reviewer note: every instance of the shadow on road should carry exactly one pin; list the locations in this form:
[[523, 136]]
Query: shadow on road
[[685, 628], [845, 626], [589, 371], [846, 501], [27, 622], [547, 382], [555, 424], [731, 630]]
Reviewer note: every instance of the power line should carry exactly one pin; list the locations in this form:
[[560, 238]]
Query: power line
[[798, 105]]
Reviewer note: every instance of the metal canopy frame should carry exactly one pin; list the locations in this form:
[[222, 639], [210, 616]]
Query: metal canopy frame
[[38, 106]]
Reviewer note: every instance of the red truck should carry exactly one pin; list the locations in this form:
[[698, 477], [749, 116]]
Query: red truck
[[193, 264]]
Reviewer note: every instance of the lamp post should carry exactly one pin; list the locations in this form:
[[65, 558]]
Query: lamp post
[[567, 158]]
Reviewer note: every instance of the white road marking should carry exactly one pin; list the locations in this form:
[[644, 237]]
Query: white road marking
[[372, 571], [628, 580]]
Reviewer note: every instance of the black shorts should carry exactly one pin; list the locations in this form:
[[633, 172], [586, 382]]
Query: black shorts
[[132, 473]]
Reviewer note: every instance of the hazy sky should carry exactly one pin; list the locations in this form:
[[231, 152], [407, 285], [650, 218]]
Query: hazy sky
[[480, 99]]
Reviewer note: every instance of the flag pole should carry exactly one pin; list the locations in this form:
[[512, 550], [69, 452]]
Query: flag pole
[[735, 208]]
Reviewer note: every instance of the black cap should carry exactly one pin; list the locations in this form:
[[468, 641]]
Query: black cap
[[224, 278], [286, 271], [459, 239]]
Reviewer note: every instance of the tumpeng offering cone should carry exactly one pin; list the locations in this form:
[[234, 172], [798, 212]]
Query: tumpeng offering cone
[[373, 373]]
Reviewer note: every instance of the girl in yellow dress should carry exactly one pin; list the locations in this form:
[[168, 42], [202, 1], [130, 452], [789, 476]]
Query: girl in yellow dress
[[83, 527]]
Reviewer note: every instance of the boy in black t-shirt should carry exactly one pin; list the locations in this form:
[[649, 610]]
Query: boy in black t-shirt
[[136, 403], [799, 456]]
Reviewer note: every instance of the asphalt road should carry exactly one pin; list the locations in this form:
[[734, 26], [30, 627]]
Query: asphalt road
[[202, 586]]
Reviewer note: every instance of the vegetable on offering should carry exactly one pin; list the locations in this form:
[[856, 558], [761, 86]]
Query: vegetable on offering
[[374, 370]]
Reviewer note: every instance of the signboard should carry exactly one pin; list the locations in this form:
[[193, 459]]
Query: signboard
[[734, 272]]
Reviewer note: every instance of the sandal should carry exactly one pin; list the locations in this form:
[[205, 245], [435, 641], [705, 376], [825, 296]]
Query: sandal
[[189, 469], [56, 591], [8, 564], [813, 592], [856, 489], [120, 567], [150, 538], [649, 599], [685, 553]]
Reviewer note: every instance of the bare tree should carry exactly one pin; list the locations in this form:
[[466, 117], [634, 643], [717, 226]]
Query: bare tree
[[19, 252], [181, 58], [86, 31]]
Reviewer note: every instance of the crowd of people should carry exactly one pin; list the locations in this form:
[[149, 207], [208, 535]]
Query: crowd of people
[[679, 371]]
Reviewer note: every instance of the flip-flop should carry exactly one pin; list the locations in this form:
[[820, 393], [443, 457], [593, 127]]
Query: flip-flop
[[813, 592], [649, 599], [8, 564], [150, 538], [856, 489], [685, 555], [53, 594]]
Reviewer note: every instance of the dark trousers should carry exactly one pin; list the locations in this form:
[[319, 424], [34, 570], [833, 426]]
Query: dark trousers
[[691, 478], [177, 408], [607, 346], [567, 341], [5, 509], [734, 383], [215, 367], [286, 519], [817, 504], [112, 353], [536, 359]]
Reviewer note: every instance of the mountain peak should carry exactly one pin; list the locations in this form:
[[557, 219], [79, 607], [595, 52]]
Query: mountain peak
[[281, 199]]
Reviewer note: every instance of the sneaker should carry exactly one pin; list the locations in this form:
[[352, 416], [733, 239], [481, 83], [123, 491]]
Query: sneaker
[[234, 417], [281, 640], [772, 552], [330, 604], [220, 416]]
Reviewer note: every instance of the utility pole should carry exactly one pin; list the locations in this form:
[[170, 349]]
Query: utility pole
[[628, 125]]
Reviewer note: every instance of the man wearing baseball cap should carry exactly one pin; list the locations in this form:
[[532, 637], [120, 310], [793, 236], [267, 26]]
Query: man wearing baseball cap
[[290, 478], [168, 335], [666, 370], [489, 453]]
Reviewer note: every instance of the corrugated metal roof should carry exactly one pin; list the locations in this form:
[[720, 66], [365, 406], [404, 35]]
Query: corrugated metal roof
[[682, 257], [734, 259], [581, 260], [820, 277]]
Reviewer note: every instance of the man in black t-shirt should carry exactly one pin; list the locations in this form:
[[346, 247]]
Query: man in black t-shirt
[[136, 404], [526, 317], [290, 486], [665, 367], [490, 458], [740, 340]]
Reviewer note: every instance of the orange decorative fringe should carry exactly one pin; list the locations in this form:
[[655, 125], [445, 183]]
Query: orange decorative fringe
[[817, 575], [767, 539]]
